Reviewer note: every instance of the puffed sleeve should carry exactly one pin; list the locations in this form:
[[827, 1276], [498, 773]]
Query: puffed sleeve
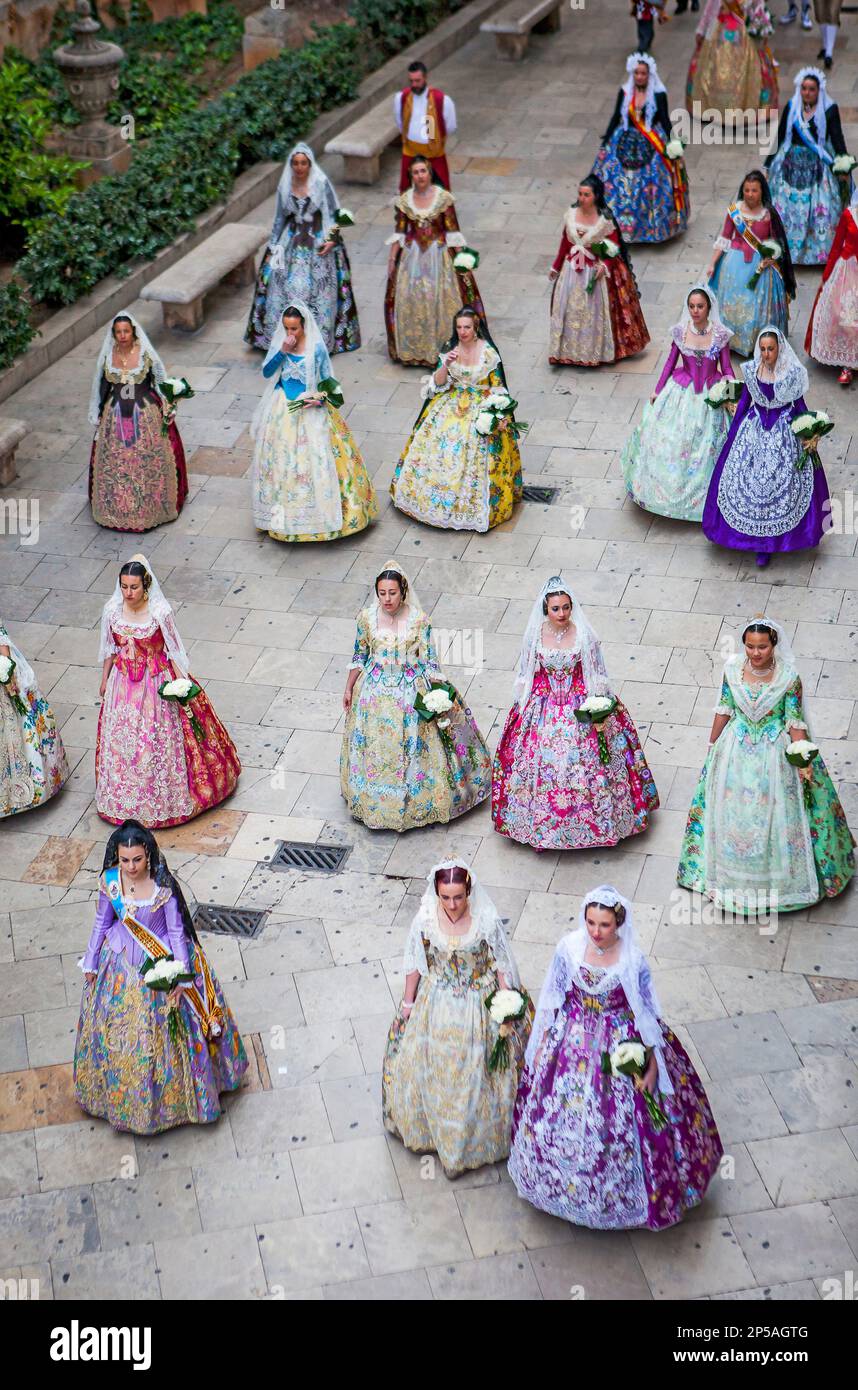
[[415, 952], [793, 707], [360, 655], [104, 916], [726, 704], [176, 931]]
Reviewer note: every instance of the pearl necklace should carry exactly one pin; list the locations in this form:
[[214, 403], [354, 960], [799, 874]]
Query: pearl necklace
[[559, 634], [700, 332]]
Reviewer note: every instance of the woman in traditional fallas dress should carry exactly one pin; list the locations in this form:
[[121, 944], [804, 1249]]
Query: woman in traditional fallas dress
[[33, 764], [596, 313], [308, 480], [438, 1094], [668, 460], [450, 475], [832, 330], [646, 190], [424, 289], [305, 260], [584, 1146], [765, 496], [149, 760], [764, 836], [733, 67], [137, 473], [134, 1066], [740, 256], [806, 192], [559, 783], [398, 770]]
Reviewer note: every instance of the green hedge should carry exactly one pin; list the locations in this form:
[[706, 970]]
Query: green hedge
[[183, 170], [16, 332]]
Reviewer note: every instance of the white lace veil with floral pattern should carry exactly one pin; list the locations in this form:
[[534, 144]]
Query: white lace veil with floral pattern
[[655, 87], [105, 351], [595, 675], [631, 971], [486, 925], [309, 370], [319, 187], [159, 609], [766, 696], [790, 375]]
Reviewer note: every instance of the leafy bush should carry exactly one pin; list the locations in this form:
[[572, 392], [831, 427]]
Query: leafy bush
[[391, 25], [16, 332], [32, 182]]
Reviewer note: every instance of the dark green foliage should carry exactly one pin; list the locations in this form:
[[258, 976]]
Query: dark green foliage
[[16, 333]]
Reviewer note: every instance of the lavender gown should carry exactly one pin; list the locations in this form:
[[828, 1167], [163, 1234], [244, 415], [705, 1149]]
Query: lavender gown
[[759, 499]]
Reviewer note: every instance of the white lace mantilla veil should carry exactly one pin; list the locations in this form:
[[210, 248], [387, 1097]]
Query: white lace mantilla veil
[[24, 673], [486, 925], [158, 371], [159, 608], [790, 376], [716, 323], [655, 87], [411, 598], [795, 105], [319, 186], [631, 971], [786, 670], [312, 340], [595, 675]]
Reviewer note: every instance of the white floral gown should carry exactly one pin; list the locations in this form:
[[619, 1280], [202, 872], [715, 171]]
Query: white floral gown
[[33, 764]]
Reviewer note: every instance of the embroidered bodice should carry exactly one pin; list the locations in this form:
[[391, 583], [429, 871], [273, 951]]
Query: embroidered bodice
[[758, 715], [463, 377], [559, 674], [161, 915], [398, 657], [465, 967], [696, 367]]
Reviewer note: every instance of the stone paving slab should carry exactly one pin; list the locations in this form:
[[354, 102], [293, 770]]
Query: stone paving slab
[[296, 1192]]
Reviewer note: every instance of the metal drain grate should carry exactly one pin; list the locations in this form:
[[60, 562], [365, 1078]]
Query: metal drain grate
[[243, 922], [531, 493], [323, 859]]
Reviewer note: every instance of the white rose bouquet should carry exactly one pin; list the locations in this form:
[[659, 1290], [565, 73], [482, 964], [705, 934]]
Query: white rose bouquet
[[809, 429], [631, 1059], [843, 164], [801, 752], [162, 976], [498, 413], [674, 148], [506, 1007], [724, 392], [439, 700], [7, 671], [595, 710], [344, 218], [603, 251], [466, 258], [183, 691], [328, 392], [770, 250], [173, 389]]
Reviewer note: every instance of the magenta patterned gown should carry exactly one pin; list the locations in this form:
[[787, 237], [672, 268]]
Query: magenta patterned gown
[[551, 790], [583, 1147]]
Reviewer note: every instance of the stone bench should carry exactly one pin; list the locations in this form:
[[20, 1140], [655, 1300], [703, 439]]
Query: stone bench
[[229, 255], [363, 142], [11, 434], [512, 25]]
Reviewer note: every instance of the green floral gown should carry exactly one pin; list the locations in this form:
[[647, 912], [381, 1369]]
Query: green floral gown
[[756, 834], [397, 770]]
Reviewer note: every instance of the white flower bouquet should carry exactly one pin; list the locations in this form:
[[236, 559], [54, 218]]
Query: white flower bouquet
[[174, 389], [603, 251], [801, 752], [759, 23], [466, 258], [7, 671], [630, 1059], [724, 392], [182, 691], [439, 699], [595, 710], [843, 164], [162, 976], [809, 428], [498, 413], [674, 148], [343, 217], [506, 1007], [770, 250], [328, 392]]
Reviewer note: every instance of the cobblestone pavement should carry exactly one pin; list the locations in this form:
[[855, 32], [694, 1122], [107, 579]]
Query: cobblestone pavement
[[297, 1192]]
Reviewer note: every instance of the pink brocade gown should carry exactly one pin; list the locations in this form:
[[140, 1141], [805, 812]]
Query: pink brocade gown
[[149, 764], [550, 788]]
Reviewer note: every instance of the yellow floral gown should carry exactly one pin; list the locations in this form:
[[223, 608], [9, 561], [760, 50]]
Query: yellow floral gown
[[309, 482], [398, 771], [438, 1095], [449, 475]]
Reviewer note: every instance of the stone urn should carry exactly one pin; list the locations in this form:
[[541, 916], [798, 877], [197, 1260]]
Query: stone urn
[[90, 70]]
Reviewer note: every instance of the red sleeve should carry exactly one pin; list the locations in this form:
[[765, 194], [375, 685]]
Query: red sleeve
[[565, 248], [728, 231]]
